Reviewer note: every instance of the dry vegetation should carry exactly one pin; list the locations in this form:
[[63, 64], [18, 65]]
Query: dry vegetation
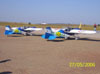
[[12, 24]]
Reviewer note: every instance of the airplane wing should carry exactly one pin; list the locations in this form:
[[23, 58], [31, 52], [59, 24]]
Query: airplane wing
[[83, 31], [55, 29], [13, 28], [33, 29]]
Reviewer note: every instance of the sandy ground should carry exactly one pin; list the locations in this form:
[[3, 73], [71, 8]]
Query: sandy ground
[[34, 55]]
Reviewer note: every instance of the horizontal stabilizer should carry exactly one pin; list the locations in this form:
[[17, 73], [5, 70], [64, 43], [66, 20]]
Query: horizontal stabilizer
[[8, 32], [52, 37], [48, 36]]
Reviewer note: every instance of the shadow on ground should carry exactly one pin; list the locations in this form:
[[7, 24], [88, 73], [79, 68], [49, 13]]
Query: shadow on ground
[[83, 39], [23, 35], [87, 39], [56, 40], [37, 35], [14, 36], [3, 61], [6, 72]]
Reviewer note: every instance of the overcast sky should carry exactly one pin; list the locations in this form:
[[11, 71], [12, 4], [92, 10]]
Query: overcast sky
[[50, 11]]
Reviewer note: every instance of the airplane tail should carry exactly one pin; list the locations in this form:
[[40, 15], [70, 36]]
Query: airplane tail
[[8, 30], [80, 26], [48, 34]]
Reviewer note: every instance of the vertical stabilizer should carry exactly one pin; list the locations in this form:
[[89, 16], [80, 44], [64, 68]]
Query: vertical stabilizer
[[48, 30], [8, 30], [80, 25], [48, 34]]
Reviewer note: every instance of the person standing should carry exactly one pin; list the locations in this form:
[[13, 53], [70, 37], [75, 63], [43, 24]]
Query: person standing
[[95, 26]]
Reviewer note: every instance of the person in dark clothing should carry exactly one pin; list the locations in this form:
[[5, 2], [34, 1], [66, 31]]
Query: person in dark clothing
[[95, 26]]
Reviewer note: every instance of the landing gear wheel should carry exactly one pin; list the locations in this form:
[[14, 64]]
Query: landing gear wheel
[[77, 38]]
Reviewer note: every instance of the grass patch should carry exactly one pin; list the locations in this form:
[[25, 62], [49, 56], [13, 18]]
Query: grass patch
[[84, 27]]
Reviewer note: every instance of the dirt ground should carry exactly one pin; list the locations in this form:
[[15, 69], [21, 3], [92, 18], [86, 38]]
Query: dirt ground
[[34, 55]]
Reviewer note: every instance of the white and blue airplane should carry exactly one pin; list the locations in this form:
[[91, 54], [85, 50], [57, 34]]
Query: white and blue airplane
[[13, 30], [52, 34], [20, 30]]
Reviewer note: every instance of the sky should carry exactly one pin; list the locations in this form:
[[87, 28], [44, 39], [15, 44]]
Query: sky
[[50, 11]]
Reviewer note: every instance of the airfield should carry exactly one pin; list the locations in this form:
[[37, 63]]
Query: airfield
[[34, 55]]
